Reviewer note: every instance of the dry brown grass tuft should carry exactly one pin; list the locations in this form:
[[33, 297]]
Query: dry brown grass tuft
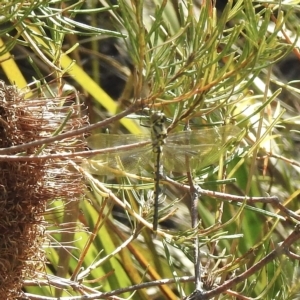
[[27, 186]]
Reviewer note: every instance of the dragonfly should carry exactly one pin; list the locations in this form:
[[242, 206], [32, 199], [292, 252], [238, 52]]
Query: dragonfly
[[168, 152]]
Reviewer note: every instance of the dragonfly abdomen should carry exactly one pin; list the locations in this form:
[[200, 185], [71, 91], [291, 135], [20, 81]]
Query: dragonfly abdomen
[[158, 135]]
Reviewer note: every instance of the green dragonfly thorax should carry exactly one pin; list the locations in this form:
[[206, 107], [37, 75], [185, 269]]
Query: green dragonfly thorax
[[158, 131]]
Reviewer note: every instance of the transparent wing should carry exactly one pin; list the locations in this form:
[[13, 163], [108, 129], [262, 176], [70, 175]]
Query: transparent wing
[[133, 153], [200, 147], [118, 159], [102, 140]]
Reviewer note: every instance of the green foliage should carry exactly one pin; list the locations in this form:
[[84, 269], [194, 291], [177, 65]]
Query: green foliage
[[203, 67]]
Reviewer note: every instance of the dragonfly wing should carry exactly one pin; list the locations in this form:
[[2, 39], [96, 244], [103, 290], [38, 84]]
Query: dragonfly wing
[[178, 159], [116, 163], [200, 147], [117, 160], [102, 140], [204, 136]]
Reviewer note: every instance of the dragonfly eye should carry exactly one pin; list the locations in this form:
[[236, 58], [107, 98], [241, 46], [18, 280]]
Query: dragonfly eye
[[157, 118]]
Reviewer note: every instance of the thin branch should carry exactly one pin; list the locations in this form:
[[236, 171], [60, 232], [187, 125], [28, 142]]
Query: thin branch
[[274, 200], [85, 129], [107, 295], [279, 250]]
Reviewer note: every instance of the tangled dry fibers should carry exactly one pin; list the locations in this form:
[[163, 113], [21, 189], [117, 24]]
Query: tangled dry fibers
[[27, 186]]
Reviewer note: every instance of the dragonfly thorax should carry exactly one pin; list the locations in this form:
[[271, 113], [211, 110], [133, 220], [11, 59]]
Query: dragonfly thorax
[[158, 131]]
